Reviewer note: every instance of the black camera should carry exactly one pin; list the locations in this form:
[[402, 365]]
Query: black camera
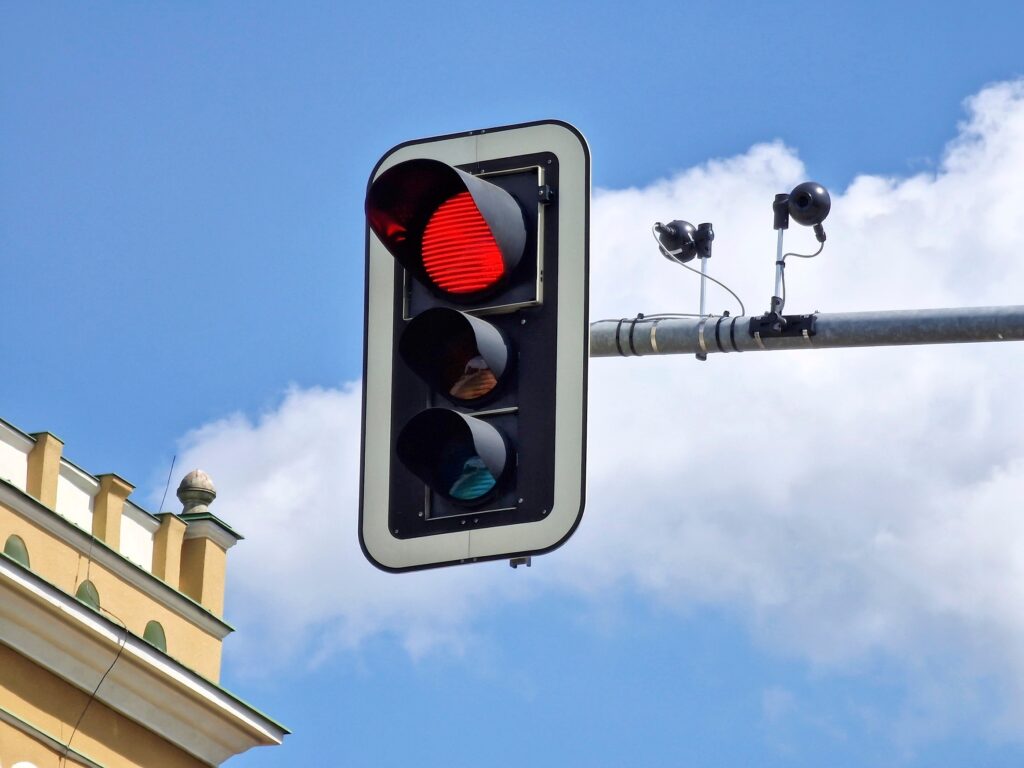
[[677, 239], [808, 204]]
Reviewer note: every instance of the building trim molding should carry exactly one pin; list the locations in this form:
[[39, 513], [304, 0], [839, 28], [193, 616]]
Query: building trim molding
[[83, 542], [213, 529], [26, 440], [44, 738], [58, 633]]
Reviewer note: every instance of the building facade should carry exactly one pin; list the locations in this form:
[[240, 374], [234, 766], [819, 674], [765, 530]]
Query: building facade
[[111, 621]]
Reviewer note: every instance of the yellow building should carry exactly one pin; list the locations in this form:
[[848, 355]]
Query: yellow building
[[111, 621]]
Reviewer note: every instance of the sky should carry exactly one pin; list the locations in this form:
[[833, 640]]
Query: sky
[[786, 559]]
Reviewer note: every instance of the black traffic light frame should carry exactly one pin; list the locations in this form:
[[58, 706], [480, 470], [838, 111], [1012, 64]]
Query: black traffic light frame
[[522, 407]]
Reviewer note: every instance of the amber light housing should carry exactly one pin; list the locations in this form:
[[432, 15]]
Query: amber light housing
[[462, 357]]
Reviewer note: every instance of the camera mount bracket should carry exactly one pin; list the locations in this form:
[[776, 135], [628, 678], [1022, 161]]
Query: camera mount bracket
[[772, 325]]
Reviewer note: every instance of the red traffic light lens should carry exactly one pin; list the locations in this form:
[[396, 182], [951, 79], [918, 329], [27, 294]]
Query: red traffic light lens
[[460, 254], [460, 235]]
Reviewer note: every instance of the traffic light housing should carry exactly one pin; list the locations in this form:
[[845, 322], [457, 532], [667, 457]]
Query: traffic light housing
[[476, 347]]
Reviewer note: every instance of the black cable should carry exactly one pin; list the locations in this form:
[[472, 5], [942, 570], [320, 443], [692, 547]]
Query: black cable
[[645, 316], [805, 255], [92, 696], [665, 252], [174, 458], [120, 648], [743, 309], [666, 315], [782, 272]]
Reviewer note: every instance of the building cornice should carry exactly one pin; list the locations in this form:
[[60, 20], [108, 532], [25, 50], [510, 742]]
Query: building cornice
[[26, 440], [83, 541], [44, 738], [210, 527], [62, 635]]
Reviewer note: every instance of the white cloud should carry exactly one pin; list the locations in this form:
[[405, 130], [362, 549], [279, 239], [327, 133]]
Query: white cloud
[[843, 503], [289, 482]]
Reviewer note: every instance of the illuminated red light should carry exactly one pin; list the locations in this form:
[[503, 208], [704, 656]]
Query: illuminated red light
[[459, 251]]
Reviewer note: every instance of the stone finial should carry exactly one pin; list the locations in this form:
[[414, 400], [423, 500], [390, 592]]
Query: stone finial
[[196, 493]]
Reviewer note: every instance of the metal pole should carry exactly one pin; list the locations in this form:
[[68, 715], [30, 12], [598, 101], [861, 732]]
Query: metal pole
[[779, 266], [713, 334], [703, 282]]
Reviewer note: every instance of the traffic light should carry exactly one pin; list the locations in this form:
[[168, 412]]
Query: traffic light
[[476, 347]]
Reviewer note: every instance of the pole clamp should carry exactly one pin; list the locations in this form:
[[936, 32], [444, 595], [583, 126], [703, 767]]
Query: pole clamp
[[772, 325]]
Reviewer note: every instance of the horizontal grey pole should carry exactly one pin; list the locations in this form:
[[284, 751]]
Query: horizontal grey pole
[[715, 333]]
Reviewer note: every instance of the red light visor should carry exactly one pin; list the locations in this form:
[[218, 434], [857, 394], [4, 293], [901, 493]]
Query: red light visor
[[459, 234]]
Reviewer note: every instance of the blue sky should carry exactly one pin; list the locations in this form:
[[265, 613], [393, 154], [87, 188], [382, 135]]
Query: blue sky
[[181, 238]]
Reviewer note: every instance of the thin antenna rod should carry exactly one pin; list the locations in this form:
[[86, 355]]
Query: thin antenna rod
[[166, 487], [703, 283], [780, 264]]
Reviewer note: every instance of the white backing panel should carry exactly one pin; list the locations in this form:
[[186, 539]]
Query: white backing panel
[[381, 546]]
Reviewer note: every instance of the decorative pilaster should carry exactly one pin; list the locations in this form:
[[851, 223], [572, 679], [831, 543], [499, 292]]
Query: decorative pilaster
[[167, 548], [207, 540], [108, 508], [44, 468]]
